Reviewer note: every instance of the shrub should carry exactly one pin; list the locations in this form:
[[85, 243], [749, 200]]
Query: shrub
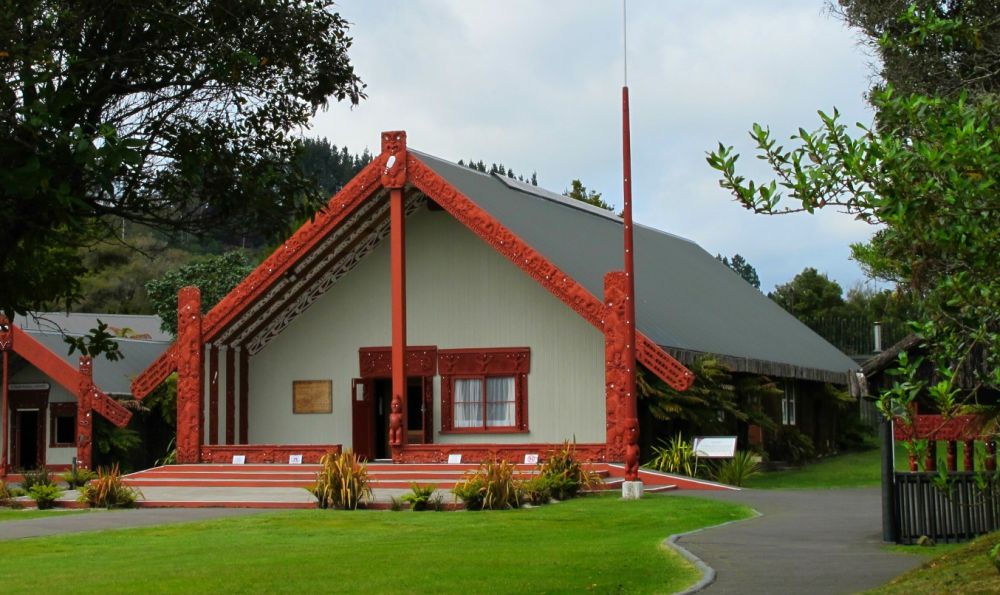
[[792, 446], [108, 491], [36, 477], [675, 456], [537, 490], [565, 474], [5, 495], [494, 486], [78, 478], [343, 482], [737, 470], [395, 504], [422, 497], [44, 495]]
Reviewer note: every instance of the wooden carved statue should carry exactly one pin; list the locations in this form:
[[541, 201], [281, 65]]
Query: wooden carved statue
[[5, 333], [84, 427], [631, 449], [396, 422]]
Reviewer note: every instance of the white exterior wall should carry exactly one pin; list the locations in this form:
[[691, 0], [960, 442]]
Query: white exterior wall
[[57, 394], [460, 294]]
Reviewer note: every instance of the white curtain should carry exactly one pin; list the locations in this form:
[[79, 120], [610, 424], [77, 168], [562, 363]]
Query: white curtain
[[468, 403], [500, 401]]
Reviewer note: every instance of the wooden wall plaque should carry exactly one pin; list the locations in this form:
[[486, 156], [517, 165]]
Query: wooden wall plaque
[[312, 396]]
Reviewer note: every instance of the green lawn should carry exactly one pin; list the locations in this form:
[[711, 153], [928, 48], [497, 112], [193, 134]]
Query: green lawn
[[961, 570], [597, 543], [852, 470], [7, 514]]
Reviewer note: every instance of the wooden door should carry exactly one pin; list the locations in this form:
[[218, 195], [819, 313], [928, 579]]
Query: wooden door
[[363, 418], [27, 419], [428, 408]]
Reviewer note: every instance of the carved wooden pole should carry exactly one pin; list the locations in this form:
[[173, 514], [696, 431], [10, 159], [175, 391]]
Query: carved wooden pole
[[189, 375], [952, 456], [632, 431], [930, 456], [6, 343], [968, 455], [394, 178], [84, 415]]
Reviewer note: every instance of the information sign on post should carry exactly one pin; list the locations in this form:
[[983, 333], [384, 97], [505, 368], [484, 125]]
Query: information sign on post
[[715, 447]]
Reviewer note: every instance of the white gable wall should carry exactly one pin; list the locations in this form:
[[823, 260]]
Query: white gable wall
[[460, 294]]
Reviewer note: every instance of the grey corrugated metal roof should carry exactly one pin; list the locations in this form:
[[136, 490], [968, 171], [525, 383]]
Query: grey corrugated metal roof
[[77, 323], [686, 300], [111, 377]]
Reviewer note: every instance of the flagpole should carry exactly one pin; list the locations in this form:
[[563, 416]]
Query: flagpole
[[632, 452]]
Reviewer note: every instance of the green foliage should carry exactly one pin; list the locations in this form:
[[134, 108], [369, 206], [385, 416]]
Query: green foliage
[[44, 495], [578, 191], [741, 267], [78, 478], [5, 495], [330, 167], [675, 456], [499, 170], [198, 135], [994, 556], [737, 470], [493, 486], [565, 474], [215, 276], [98, 341], [925, 174], [114, 443], [423, 497], [537, 490], [790, 445], [343, 482], [36, 477], [108, 490]]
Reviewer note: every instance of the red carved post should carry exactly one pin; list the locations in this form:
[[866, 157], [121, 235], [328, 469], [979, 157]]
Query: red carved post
[[952, 456], [632, 432], [189, 375], [969, 455], [991, 455], [393, 178], [84, 414], [6, 343], [930, 456], [618, 415]]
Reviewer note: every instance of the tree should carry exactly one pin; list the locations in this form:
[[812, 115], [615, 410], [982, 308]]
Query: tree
[[174, 114], [215, 276], [579, 192], [499, 170], [330, 167], [811, 297], [741, 267], [925, 173]]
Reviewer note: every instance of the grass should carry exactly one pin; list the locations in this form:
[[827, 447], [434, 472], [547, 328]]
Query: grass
[[963, 570], [599, 544], [851, 470], [7, 514]]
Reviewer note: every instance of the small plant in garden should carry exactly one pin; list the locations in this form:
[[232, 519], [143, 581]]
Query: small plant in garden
[[565, 474], [737, 470], [108, 491], [675, 456], [792, 446], [343, 482], [422, 497], [44, 495], [493, 486], [78, 478], [995, 556], [537, 490], [36, 477], [5, 495], [395, 504]]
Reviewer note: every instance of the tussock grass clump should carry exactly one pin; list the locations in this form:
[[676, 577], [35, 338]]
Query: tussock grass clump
[[564, 474], [493, 486], [108, 491], [44, 495], [737, 470], [343, 482]]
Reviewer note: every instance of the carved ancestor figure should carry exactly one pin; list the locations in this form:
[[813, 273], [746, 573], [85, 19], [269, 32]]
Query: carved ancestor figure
[[396, 422], [631, 449], [5, 333]]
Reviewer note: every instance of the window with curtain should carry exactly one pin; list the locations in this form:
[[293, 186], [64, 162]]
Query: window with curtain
[[484, 390]]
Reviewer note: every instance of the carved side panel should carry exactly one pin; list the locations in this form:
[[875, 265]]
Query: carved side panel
[[266, 453], [376, 362], [494, 361], [477, 453], [615, 366], [189, 348], [84, 417]]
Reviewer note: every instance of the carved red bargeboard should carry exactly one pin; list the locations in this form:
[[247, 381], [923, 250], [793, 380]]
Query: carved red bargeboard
[[538, 267], [155, 373], [189, 374], [477, 453]]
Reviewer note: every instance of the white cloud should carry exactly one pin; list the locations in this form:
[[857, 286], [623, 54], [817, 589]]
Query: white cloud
[[536, 85]]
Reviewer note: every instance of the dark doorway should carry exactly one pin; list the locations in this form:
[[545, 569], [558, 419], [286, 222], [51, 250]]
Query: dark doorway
[[26, 452], [382, 401], [371, 415]]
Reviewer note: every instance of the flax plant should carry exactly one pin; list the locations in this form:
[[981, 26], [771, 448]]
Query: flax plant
[[343, 482]]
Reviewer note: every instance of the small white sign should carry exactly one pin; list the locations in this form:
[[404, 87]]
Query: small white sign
[[531, 459], [294, 459], [454, 459], [715, 447], [239, 459]]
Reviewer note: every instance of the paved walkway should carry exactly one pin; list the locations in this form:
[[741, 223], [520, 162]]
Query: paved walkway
[[806, 541], [77, 522]]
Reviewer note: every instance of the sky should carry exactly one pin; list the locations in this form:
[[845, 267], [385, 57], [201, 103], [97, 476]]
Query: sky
[[536, 85]]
